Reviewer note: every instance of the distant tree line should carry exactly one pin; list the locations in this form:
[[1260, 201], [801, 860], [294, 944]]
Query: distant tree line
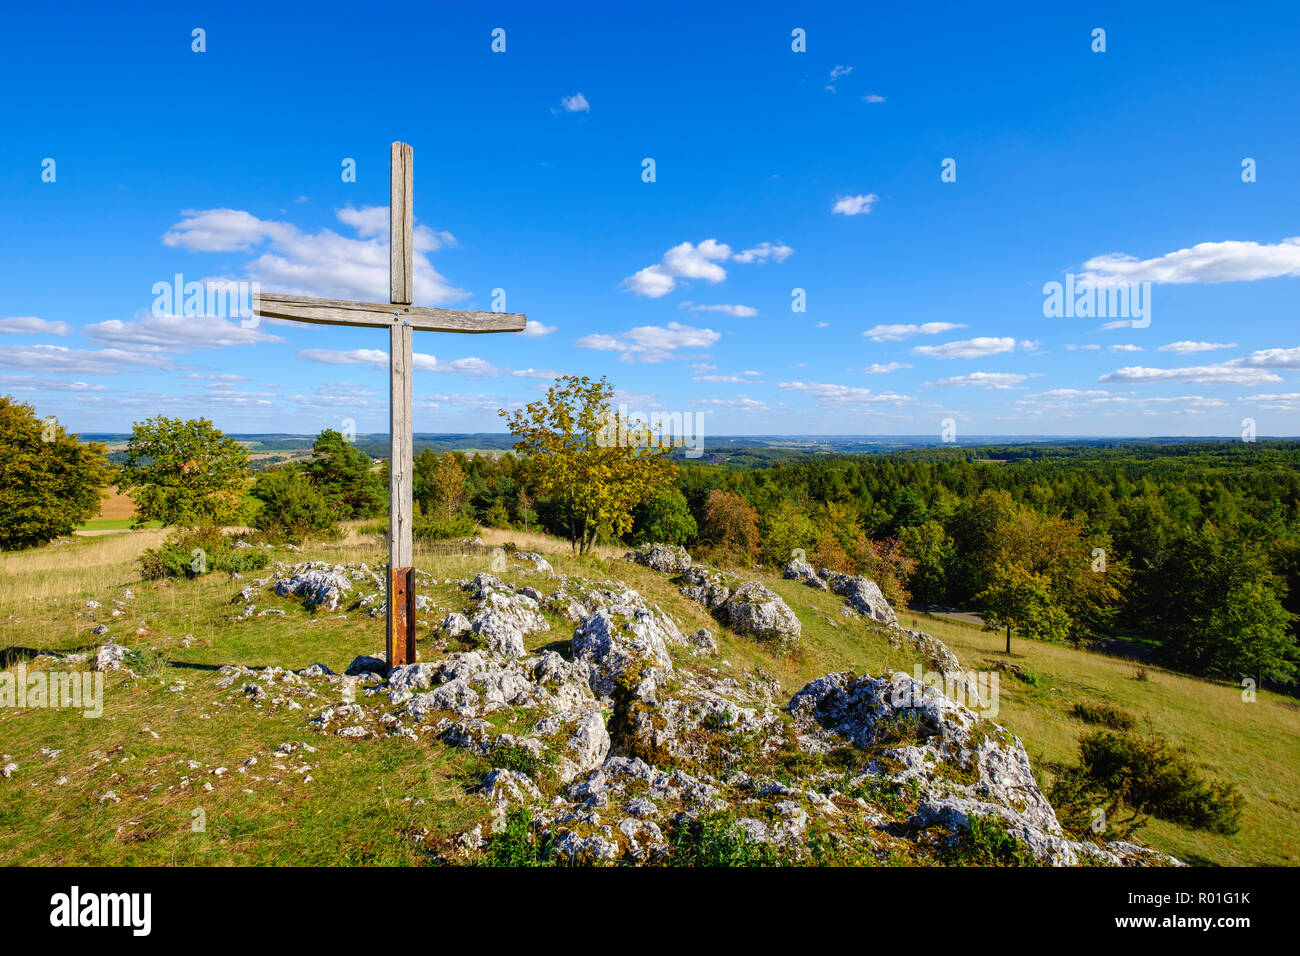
[[1192, 548]]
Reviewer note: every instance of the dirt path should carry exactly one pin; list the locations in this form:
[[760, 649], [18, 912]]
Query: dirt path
[[951, 613]]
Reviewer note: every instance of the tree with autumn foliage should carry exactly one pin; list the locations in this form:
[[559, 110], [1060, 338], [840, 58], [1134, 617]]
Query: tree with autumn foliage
[[844, 546], [1045, 578], [731, 525], [588, 458]]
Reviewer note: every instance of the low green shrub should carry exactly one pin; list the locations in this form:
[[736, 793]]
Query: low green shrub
[[515, 845], [986, 843], [715, 839], [1103, 715], [292, 508], [438, 528], [145, 661], [191, 553], [1144, 776]]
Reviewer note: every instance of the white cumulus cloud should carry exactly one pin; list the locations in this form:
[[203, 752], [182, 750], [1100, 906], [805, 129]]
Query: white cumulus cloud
[[1228, 261], [690, 261], [858, 205], [322, 263]]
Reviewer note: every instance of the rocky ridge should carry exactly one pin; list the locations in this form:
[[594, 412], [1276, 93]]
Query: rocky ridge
[[618, 737]]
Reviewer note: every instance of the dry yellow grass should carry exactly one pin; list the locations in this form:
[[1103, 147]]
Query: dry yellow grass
[[117, 505], [81, 566]]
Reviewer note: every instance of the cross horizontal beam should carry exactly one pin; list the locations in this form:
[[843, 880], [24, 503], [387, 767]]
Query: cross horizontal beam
[[299, 308]]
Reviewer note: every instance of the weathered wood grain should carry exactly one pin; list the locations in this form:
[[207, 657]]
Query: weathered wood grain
[[401, 462], [401, 223], [378, 315]]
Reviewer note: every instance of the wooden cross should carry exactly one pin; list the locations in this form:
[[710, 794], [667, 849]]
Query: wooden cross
[[401, 319]]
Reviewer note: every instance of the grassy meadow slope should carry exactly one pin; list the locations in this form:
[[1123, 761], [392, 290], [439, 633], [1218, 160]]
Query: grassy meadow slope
[[134, 786]]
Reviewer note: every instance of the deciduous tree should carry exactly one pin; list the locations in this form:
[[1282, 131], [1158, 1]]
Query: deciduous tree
[[593, 462], [731, 525], [184, 473], [49, 481]]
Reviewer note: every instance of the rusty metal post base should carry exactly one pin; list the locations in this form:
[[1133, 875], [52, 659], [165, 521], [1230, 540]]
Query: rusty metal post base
[[401, 616]]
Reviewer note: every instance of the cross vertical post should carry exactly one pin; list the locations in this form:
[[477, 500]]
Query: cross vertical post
[[401, 514], [401, 317]]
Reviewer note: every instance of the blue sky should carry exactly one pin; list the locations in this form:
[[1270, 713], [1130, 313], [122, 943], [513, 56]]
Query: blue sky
[[775, 170]]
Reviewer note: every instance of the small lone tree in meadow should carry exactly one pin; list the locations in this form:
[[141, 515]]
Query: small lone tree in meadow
[[1017, 597], [594, 464], [184, 473], [49, 482]]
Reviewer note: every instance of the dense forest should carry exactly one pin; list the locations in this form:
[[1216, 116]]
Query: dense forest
[[1193, 548]]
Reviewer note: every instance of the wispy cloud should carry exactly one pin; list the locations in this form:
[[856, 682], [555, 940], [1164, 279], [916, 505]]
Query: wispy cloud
[[843, 395], [967, 348], [741, 403], [741, 378], [836, 73], [1198, 375], [58, 358], [35, 383], [738, 311], [175, 333], [1186, 347], [650, 343], [420, 361], [31, 325], [776, 251], [994, 380], [1251, 370], [885, 369], [896, 333]]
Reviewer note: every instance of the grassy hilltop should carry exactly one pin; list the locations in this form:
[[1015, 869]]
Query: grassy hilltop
[[131, 787]]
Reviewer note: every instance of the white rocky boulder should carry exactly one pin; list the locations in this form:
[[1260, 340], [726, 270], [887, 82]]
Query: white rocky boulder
[[927, 737], [455, 624], [503, 620], [669, 558], [538, 562], [621, 648], [798, 570], [110, 657], [758, 611], [863, 595], [319, 587], [710, 588]]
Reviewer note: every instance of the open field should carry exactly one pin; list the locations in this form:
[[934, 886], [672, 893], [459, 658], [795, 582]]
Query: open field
[[164, 734]]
